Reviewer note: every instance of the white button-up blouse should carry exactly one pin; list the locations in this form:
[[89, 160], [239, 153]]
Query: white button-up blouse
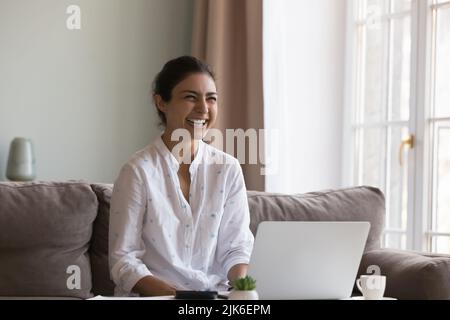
[[155, 231]]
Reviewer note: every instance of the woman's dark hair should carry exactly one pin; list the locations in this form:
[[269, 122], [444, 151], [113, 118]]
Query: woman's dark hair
[[173, 72]]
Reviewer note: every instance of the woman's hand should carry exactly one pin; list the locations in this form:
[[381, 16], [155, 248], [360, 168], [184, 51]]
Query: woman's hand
[[151, 286], [237, 271]]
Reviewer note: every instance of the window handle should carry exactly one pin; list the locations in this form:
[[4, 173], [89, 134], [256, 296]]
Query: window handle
[[410, 142]]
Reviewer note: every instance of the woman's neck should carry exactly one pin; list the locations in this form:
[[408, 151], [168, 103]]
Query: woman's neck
[[191, 145]]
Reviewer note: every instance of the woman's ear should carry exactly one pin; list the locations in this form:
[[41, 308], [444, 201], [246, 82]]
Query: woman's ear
[[159, 103]]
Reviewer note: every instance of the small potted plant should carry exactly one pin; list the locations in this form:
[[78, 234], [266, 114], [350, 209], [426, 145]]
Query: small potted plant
[[243, 289]]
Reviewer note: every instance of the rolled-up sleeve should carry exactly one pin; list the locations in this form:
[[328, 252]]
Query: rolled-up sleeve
[[235, 240], [126, 246]]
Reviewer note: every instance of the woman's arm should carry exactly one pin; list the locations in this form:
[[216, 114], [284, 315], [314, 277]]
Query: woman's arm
[[126, 248], [235, 240], [237, 271], [152, 286]]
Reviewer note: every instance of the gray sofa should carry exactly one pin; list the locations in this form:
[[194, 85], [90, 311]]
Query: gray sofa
[[54, 238]]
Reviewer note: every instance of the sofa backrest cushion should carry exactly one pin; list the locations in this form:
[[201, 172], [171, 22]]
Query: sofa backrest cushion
[[101, 280], [347, 204], [45, 230]]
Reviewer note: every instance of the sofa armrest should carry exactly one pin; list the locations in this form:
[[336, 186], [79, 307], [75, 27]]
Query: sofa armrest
[[411, 275]]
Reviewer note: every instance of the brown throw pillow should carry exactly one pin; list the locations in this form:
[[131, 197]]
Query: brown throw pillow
[[45, 229]]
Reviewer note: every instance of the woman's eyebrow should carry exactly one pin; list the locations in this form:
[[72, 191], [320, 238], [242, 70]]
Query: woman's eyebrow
[[196, 93]]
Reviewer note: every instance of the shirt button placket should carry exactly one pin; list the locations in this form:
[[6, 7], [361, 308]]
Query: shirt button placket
[[188, 237]]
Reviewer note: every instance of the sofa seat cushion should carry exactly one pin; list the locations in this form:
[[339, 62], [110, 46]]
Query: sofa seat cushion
[[45, 230], [411, 275], [346, 204]]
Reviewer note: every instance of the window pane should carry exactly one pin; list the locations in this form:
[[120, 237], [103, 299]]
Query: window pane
[[401, 5], [397, 192], [401, 66], [376, 72], [440, 244], [376, 8], [442, 90], [374, 157], [395, 241], [441, 221]]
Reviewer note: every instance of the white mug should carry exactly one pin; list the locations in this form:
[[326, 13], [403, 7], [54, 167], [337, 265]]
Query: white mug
[[372, 286]]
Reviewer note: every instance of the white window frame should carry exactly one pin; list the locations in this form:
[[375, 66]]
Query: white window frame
[[418, 229]]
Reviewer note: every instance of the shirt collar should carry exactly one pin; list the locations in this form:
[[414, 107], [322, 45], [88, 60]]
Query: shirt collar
[[165, 152]]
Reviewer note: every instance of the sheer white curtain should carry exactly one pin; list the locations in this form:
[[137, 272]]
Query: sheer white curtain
[[275, 111], [304, 46]]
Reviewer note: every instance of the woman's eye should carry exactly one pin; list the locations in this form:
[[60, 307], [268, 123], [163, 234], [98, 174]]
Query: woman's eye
[[190, 97], [212, 98]]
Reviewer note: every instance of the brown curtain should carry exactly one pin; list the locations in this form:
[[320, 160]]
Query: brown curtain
[[227, 34]]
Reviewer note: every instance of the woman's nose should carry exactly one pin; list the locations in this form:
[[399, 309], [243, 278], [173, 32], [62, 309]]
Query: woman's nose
[[202, 106]]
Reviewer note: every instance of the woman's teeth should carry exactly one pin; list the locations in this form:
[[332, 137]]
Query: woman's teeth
[[196, 122]]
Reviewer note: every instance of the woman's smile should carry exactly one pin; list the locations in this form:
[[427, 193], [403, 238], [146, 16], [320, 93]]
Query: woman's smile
[[197, 123]]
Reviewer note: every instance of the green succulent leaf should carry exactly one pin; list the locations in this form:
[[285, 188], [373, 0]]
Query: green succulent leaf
[[247, 283]]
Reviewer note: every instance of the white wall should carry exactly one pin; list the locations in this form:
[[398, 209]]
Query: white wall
[[83, 96], [304, 84]]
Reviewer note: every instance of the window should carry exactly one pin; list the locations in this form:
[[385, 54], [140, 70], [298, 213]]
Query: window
[[439, 123], [398, 102]]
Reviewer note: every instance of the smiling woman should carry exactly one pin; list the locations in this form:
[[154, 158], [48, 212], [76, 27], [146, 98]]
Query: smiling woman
[[177, 225], [174, 72], [192, 104]]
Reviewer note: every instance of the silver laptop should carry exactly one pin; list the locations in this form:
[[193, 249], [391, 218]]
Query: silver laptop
[[307, 260]]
